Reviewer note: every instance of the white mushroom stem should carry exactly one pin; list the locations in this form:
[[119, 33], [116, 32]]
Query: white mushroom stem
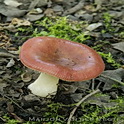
[[44, 85]]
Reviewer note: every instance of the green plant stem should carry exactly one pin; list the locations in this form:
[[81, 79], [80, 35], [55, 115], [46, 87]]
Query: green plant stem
[[79, 103]]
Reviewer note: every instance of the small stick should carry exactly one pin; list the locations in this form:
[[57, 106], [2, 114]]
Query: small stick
[[79, 103], [97, 87], [92, 84]]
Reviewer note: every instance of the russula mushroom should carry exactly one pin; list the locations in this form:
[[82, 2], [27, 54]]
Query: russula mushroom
[[59, 59]]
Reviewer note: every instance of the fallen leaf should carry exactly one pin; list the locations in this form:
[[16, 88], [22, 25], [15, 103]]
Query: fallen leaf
[[14, 52], [33, 17], [19, 22], [119, 46], [101, 100], [2, 61], [1, 72], [2, 86], [33, 4], [82, 85], [37, 3], [98, 3], [5, 54], [31, 97], [18, 85], [80, 13], [111, 77], [11, 11], [12, 3], [58, 8], [93, 26], [13, 93], [10, 107], [117, 2], [76, 96], [69, 88], [115, 14], [11, 63], [49, 12], [90, 8]]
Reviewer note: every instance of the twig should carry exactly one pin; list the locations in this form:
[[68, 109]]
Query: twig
[[79, 103], [122, 83], [92, 84], [75, 8], [97, 87], [14, 102]]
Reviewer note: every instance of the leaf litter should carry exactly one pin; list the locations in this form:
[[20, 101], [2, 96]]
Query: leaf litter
[[112, 77]]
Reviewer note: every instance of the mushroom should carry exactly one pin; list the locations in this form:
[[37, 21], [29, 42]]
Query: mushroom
[[59, 59]]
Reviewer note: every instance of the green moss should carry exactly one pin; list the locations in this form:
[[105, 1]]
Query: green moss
[[9, 121], [109, 59], [100, 45], [92, 114], [107, 20], [61, 28], [25, 29], [96, 115], [121, 34]]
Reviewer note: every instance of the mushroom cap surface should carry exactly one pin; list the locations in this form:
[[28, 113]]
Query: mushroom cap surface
[[61, 58]]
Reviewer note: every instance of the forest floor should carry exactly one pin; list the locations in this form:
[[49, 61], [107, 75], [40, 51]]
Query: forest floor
[[96, 23]]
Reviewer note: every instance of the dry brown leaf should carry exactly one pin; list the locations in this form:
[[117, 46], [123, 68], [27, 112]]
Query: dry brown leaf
[[10, 107], [49, 12], [19, 22]]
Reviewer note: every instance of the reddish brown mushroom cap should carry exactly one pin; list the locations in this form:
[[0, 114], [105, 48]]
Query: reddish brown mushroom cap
[[61, 58]]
